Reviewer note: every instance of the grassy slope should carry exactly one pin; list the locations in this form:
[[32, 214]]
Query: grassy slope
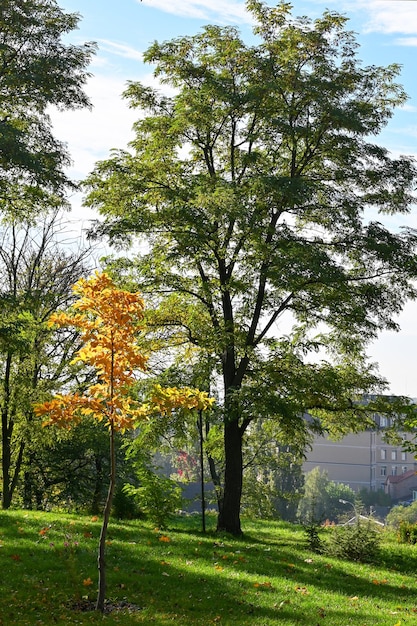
[[269, 577]]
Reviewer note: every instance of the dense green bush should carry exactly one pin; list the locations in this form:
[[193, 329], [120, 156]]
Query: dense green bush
[[407, 533], [399, 514], [359, 542], [157, 496], [125, 505]]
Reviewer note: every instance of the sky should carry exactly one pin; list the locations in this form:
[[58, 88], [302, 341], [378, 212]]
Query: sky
[[386, 31]]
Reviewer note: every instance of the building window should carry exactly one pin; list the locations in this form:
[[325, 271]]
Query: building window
[[404, 469], [383, 454], [393, 455], [383, 421], [383, 470], [403, 456], [394, 470]]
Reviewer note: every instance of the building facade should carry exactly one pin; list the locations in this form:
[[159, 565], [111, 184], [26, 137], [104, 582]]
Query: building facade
[[365, 460]]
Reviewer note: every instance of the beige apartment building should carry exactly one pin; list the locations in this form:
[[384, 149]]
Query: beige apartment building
[[365, 460]]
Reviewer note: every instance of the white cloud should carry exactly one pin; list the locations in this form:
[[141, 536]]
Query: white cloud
[[231, 11], [406, 41], [390, 16], [408, 108], [91, 135], [120, 49]]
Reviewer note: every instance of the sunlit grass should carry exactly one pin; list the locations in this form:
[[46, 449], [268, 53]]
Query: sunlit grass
[[268, 577]]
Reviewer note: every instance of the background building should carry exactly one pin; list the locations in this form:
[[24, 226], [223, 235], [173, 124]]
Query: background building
[[365, 461]]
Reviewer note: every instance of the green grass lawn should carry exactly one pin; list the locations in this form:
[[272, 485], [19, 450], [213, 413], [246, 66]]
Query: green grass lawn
[[182, 577]]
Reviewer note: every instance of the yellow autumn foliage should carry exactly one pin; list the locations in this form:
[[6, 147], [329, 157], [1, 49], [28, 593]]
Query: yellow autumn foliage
[[109, 320]]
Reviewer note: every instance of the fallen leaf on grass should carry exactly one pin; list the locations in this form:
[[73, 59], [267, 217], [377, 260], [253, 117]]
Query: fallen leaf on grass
[[164, 539], [87, 582], [302, 590], [16, 557]]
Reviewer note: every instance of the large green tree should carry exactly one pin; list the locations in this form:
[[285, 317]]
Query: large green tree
[[38, 70], [257, 188]]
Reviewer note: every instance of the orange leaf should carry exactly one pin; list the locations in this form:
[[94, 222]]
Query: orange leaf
[[87, 582]]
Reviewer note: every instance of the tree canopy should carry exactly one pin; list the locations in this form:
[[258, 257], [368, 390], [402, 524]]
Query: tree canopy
[[36, 275], [38, 69], [260, 192]]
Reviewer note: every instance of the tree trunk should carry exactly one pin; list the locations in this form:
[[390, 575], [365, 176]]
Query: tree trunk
[[106, 516], [98, 485], [6, 434], [229, 516]]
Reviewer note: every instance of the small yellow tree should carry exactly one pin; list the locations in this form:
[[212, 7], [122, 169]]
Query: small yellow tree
[[110, 320]]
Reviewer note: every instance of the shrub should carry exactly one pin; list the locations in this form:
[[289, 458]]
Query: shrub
[[313, 538], [359, 542], [124, 505], [407, 533], [158, 496], [399, 514]]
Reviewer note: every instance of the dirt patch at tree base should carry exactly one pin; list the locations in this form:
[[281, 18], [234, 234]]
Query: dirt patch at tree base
[[110, 606]]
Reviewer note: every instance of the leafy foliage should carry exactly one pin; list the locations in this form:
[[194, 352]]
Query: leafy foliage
[[157, 496], [399, 514], [273, 479], [407, 533], [37, 70], [36, 275], [359, 542], [252, 187], [312, 530], [321, 499]]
